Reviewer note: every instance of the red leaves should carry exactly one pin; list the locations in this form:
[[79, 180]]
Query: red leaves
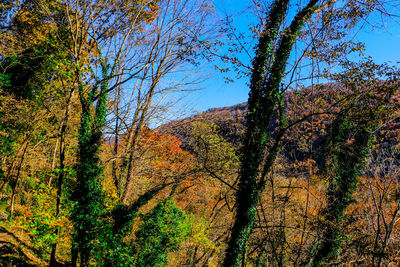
[[166, 151]]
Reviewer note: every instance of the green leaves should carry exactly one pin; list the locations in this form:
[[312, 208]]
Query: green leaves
[[163, 229]]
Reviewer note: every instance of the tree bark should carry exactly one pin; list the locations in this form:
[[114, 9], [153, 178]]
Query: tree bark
[[61, 175]]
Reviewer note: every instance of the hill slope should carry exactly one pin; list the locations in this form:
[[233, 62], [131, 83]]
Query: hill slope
[[302, 139]]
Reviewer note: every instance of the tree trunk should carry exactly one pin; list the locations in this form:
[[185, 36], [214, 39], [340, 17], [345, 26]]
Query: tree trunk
[[132, 145], [346, 164], [263, 98], [88, 192], [61, 142], [16, 179]]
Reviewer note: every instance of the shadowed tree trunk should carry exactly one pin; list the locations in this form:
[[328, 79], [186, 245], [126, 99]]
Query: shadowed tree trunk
[[347, 161]]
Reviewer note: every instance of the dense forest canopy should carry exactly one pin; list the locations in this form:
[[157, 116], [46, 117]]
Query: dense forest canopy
[[306, 173]]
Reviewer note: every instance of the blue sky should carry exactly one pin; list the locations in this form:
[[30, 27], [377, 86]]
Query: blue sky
[[383, 45]]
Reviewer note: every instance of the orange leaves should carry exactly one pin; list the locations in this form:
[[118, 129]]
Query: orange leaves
[[165, 147], [165, 159]]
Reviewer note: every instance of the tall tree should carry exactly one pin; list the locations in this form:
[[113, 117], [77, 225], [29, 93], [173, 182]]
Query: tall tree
[[260, 147], [102, 36], [349, 139], [263, 98], [113, 44]]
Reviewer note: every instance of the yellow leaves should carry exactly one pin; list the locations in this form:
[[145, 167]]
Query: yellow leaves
[[153, 6], [32, 28], [199, 233]]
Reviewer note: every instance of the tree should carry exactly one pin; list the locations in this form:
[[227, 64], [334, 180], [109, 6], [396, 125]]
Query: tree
[[172, 47], [348, 141], [39, 72], [97, 70], [266, 99], [264, 96], [113, 44]]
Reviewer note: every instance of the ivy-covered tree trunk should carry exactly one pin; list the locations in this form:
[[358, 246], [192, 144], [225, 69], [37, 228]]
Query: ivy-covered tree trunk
[[348, 142], [268, 71], [346, 161], [88, 193]]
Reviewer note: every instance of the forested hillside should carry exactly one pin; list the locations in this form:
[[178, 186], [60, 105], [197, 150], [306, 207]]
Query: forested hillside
[[230, 122], [306, 173]]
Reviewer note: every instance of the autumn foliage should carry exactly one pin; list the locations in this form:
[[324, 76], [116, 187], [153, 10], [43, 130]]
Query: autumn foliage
[[298, 176]]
